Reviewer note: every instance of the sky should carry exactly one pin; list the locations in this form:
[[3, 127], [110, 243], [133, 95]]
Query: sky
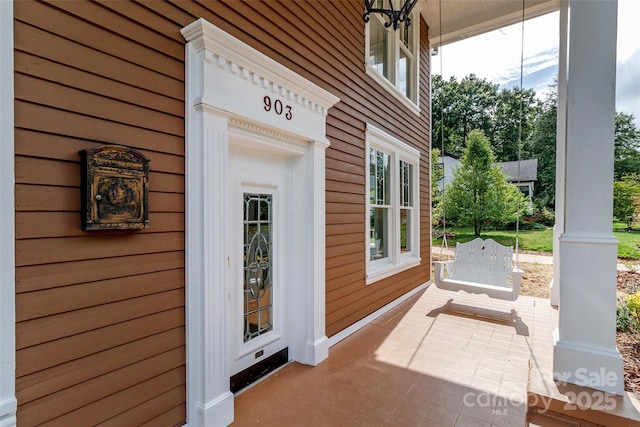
[[495, 56]]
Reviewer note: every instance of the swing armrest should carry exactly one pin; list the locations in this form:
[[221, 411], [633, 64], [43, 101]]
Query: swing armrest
[[440, 267], [516, 280]]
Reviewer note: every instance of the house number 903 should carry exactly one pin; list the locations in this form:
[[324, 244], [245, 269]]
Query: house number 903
[[278, 107]]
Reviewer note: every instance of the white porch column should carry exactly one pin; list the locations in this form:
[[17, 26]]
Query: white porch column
[[561, 143], [585, 351], [8, 403]]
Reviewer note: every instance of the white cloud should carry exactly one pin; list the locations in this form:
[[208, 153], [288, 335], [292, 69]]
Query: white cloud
[[628, 29], [628, 85]]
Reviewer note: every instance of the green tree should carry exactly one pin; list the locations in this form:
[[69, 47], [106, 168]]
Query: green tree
[[626, 200], [459, 107], [627, 142], [437, 175], [479, 191], [437, 186], [542, 146], [514, 116]]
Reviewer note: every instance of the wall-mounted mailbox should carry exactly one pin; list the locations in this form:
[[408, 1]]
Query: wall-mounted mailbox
[[114, 188]]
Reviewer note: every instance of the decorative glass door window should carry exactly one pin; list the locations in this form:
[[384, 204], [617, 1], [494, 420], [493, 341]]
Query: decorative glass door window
[[258, 265]]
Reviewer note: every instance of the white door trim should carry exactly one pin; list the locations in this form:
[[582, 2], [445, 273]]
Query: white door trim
[[228, 82], [8, 402]]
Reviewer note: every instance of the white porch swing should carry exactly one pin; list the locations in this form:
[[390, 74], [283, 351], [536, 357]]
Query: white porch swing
[[483, 266]]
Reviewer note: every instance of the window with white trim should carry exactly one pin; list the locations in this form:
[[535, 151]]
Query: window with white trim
[[393, 226], [392, 55]]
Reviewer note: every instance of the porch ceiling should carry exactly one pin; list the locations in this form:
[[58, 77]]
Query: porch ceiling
[[467, 18]]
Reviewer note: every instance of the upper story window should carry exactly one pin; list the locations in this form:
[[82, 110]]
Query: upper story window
[[393, 234], [392, 57]]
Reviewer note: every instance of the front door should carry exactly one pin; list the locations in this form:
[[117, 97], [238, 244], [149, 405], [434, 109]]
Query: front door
[[259, 206]]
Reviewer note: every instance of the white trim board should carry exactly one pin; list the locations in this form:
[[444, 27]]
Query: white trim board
[[8, 402]]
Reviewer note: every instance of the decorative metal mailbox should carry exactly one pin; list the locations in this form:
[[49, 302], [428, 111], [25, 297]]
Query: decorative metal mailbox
[[114, 188]]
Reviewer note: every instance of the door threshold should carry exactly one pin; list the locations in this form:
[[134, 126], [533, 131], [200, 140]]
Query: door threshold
[[256, 373]]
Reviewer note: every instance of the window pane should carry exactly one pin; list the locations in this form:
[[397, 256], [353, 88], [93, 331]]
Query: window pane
[[373, 181], [379, 47], [379, 240], [406, 36], [405, 75], [383, 181], [405, 230], [406, 184]]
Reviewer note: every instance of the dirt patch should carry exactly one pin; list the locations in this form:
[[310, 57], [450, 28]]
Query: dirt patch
[[629, 342], [536, 279], [629, 347]]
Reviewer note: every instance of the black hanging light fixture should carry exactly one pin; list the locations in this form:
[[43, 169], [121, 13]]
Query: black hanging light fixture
[[393, 16]]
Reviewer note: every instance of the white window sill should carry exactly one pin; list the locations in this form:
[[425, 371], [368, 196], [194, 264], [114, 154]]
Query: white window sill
[[386, 84], [384, 271]]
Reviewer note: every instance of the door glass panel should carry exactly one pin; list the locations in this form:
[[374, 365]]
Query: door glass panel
[[258, 263]]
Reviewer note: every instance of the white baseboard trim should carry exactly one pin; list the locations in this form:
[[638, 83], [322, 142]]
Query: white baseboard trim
[[335, 339], [8, 412]]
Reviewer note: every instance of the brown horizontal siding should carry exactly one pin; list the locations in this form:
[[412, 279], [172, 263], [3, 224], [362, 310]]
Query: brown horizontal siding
[[172, 417], [73, 54], [50, 173], [355, 316], [50, 328], [56, 250], [156, 405], [341, 239], [337, 229], [48, 198], [95, 84], [47, 276], [52, 353], [97, 34], [34, 144], [34, 305], [100, 332], [49, 381], [33, 225], [67, 98], [130, 387], [51, 121], [349, 276], [335, 276]]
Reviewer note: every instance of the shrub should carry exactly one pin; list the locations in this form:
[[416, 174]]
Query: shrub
[[633, 302], [546, 217], [632, 267], [626, 319]]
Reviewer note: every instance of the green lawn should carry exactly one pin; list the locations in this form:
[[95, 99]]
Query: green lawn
[[542, 240]]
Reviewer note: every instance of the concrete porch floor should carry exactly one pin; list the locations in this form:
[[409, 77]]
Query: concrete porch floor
[[438, 359]]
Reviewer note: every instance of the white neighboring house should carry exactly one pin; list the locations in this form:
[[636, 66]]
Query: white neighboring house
[[524, 180], [449, 164], [528, 174]]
